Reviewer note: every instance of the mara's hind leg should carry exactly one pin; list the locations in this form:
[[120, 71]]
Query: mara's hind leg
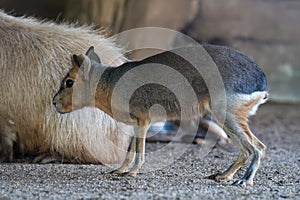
[[258, 155], [248, 139], [238, 129], [243, 154]]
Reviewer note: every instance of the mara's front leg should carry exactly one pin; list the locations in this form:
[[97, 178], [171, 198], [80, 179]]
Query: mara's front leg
[[135, 151], [129, 157], [140, 148]]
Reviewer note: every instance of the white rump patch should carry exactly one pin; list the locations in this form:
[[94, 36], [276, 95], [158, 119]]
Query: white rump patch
[[264, 98]]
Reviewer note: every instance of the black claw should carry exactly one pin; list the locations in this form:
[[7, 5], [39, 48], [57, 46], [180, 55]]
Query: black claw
[[114, 172], [119, 173], [240, 182], [213, 176], [125, 173]]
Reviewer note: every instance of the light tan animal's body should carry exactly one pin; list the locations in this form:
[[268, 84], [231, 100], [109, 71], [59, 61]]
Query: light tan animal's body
[[244, 85], [34, 57]]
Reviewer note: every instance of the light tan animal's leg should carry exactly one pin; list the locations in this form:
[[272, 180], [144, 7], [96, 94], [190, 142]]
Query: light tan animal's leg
[[8, 136], [45, 158], [131, 152], [140, 148]]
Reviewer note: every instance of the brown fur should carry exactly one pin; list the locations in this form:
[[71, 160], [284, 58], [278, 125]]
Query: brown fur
[[242, 114], [34, 57]]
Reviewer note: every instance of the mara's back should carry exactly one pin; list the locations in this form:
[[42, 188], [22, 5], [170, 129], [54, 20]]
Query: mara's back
[[168, 78]]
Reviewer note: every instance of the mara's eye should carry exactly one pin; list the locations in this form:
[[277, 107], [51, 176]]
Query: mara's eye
[[69, 83]]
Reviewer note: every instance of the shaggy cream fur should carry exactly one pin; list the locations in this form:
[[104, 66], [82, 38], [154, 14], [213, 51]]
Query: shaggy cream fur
[[34, 57]]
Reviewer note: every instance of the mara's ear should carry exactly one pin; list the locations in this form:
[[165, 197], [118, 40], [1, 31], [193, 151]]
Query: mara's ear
[[92, 55], [76, 61], [84, 63]]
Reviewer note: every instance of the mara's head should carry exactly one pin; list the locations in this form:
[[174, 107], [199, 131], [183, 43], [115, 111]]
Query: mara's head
[[77, 88]]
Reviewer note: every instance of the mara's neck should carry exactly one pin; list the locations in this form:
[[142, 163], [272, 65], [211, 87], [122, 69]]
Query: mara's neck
[[103, 90], [116, 107]]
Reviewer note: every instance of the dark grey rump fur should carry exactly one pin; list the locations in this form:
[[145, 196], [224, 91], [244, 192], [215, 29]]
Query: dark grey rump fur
[[239, 72]]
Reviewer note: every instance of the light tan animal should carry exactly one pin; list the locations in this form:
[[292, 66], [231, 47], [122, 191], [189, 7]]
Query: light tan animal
[[8, 136], [34, 57], [90, 83]]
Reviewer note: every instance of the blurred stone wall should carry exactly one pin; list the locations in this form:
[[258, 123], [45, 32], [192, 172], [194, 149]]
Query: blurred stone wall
[[266, 30], [51, 9], [121, 15]]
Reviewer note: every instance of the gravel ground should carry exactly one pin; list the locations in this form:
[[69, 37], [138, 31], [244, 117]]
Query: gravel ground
[[173, 171]]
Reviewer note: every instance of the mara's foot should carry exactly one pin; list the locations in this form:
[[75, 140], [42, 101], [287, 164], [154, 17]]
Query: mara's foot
[[117, 171], [123, 173], [243, 182], [219, 177]]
